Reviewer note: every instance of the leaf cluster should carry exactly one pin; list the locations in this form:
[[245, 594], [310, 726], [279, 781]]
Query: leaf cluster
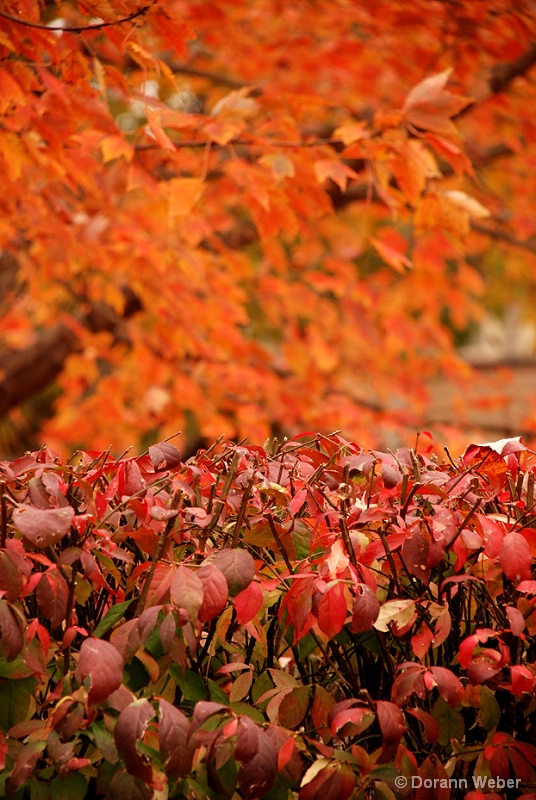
[[299, 620]]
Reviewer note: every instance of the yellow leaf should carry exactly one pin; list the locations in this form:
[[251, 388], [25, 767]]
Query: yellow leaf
[[141, 56], [11, 92], [115, 147], [336, 171], [281, 166], [437, 211], [183, 194], [155, 125], [474, 209], [14, 153], [353, 132]]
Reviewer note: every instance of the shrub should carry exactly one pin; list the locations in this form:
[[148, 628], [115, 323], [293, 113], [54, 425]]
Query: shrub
[[304, 620]]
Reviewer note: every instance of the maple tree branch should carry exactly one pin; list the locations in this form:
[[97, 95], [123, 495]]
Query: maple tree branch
[[31, 369], [216, 77], [503, 74], [504, 236], [75, 28], [28, 371]]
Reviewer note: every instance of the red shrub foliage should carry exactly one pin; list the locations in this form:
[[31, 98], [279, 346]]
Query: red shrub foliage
[[306, 620]]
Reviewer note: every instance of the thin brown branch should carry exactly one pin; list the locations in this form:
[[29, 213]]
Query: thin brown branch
[[215, 77], [504, 236], [74, 28]]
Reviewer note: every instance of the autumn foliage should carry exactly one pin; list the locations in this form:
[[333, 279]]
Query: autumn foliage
[[310, 621], [254, 217]]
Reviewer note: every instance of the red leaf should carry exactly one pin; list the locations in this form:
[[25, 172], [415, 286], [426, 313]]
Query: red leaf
[[498, 764], [365, 610], [214, 592], [177, 750], [43, 527], [516, 620], [392, 722], [349, 718], [248, 602], [415, 550], [523, 680], [24, 765], [238, 567], [332, 610], [101, 662], [515, 557], [448, 685], [129, 729], [422, 640], [431, 728], [333, 782]]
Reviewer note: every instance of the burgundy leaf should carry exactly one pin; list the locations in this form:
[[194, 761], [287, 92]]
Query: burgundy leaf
[[415, 551], [11, 631], [257, 774], [365, 610], [205, 709], [43, 527], [238, 567], [13, 569], [129, 730], [175, 746], [186, 591], [164, 456], [215, 591], [102, 664], [392, 723], [247, 739], [52, 593]]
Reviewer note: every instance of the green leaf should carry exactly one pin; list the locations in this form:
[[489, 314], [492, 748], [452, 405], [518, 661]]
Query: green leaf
[[72, 787], [113, 615], [451, 724], [15, 701], [248, 711], [262, 685], [191, 684], [490, 712], [216, 693]]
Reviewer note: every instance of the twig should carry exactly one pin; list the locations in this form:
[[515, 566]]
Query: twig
[[74, 28]]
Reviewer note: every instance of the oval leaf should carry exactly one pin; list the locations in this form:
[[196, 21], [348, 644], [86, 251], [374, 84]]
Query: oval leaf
[[238, 567], [101, 663], [43, 527]]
